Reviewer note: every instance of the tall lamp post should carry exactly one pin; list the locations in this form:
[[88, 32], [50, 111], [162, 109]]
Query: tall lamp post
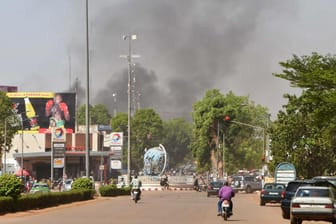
[[21, 148], [5, 143], [115, 103], [87, 93], [129, 60]]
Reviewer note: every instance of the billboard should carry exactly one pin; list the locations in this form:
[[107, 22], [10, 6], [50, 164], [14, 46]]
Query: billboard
[[41, 111]]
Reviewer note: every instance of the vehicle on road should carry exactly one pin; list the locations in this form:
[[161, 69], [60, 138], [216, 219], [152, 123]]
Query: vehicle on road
[[135, 195], [67, 185], [226, 211], [271, 193], [164, 182], [213, 188], [290, 190], [313, 203], [246, 183], [331, 179], [39, 187]]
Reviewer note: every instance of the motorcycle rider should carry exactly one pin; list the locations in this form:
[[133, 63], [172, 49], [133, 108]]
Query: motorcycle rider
[[136, 185], [164, 181], [196, 185], [225, 193]]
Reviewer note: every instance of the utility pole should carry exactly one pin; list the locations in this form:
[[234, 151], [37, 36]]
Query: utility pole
[[87, 110], [115, 104], [129, 85], [5, 143], [217, 145]]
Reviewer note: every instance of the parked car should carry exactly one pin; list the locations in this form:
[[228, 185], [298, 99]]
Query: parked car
[[39, 187], [290, 190], [271, 193], [331, 179], [67, 185], [213, 188], [313, 203], [246, 183]]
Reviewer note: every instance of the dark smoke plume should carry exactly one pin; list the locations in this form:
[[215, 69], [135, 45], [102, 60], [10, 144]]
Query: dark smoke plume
[[186, 47]]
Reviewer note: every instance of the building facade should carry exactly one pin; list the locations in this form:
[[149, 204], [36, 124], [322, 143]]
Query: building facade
[[32, 153]]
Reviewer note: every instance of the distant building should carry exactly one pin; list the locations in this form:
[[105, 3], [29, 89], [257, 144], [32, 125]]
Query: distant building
[[8, 89], [43, 116], [34, 150]]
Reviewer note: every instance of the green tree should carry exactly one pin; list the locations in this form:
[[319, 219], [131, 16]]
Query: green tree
[[176, 139], [304, 133], [120, 122], [81, 116], [146, 132], [243, 144], [98, 115], [10, 185], [82, 183], [9, 119]]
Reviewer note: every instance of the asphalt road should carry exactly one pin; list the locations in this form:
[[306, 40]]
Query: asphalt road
[[163, 207]]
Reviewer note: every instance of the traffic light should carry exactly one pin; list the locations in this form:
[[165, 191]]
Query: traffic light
[[227, 118]]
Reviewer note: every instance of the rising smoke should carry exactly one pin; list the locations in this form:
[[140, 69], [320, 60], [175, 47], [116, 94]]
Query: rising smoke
[[186, 47]]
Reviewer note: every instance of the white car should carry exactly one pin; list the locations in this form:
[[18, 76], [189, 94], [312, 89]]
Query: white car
[[313, 203], [67, 185]]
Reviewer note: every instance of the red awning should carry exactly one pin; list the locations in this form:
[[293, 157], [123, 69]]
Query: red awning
[[21, 172]]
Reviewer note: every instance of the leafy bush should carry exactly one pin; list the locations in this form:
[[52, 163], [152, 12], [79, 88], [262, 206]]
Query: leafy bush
[[37, 201], [6, 204], [10, 186], [112, 190], [82, 184]]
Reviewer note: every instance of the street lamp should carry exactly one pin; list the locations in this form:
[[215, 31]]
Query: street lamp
[[5, 143], [115, 104], [129, 60], [21, 148], [87, 93]]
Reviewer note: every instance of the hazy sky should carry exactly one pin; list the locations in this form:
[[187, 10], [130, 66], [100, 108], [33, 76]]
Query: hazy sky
[[186, 47]]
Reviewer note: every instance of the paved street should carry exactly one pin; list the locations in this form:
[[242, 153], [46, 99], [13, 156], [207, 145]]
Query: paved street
[[155, 207]]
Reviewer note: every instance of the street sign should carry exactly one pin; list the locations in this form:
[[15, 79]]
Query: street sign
[[58, 162], [116, 164], [59, 149], [58, 135], [284, 172], [116, 138]]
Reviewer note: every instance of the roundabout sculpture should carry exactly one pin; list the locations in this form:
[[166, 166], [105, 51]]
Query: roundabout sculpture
[[155, 161]]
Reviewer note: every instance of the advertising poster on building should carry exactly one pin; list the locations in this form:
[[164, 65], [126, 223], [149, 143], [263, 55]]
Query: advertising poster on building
[[116, 139], [42, 111]]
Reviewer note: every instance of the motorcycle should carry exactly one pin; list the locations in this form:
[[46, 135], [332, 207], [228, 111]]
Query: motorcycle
[[136, 195], [164, 183], [226, 211]]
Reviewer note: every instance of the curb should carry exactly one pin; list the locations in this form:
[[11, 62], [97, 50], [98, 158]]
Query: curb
[[163, 189]]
